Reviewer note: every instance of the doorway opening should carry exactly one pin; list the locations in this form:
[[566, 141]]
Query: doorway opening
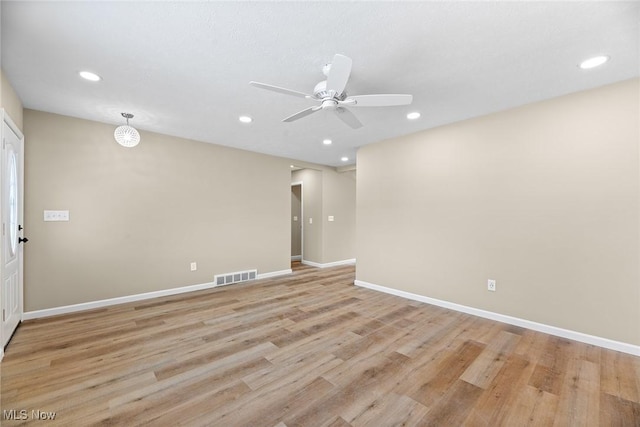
[[297, 231]]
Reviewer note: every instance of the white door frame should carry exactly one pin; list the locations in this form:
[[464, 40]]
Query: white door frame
[[300, 183], [10, 123]]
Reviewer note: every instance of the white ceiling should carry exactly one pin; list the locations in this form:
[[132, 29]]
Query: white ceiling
[[183, 68]]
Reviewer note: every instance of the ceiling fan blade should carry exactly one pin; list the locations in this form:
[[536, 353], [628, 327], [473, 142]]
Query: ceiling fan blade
[[280, 90], [301, 114], [348, 117], [387, 100], [339, 74]]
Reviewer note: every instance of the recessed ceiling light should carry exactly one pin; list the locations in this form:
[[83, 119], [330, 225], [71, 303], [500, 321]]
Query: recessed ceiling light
[[327, 141], [245, 119], [345, 159], [593, 62], [413, 116], [291, 166], [88, 75]]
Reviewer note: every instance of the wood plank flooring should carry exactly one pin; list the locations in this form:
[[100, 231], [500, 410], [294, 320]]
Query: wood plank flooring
[[309, 349]]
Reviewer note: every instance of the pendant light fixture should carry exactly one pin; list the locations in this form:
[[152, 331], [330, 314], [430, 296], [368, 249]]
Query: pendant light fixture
[[126, 135]]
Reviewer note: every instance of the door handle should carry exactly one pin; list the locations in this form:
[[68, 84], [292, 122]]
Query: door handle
[[21, 240]]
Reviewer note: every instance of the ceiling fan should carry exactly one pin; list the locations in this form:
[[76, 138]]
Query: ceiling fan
[[331, 95]]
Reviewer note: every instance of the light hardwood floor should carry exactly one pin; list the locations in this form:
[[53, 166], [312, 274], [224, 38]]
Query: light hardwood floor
[[309, 349]]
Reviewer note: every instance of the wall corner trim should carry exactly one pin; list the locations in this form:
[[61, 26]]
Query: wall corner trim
[[329, 264], [540, 327], [55, 311]]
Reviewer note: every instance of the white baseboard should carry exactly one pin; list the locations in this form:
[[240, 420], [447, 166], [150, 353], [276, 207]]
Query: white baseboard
[[329, 264], [296, 257], [274, 274], [540, 327], [55, 311]]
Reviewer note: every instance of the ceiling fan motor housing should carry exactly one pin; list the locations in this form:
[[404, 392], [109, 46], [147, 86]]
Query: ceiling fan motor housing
[[329, 104], [320, 92]]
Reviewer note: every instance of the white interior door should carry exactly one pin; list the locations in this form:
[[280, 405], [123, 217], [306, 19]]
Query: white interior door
[[11, 206]]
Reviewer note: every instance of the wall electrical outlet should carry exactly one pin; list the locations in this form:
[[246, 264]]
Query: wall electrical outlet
[[194, 266], [491, 285]]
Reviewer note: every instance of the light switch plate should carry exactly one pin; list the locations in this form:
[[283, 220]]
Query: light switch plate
[[56, 215], [330, 218]]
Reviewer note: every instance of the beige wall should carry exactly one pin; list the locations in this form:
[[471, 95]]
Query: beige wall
[[9, 100], [339, 201], [544, 199], [328, 192], [139, 216]]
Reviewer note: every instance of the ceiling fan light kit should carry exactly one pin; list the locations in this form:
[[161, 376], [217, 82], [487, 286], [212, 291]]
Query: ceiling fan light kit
[[331, 94], [126, 135]]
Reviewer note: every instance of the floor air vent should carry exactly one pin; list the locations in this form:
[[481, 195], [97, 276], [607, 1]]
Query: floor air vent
[[237, 277]]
